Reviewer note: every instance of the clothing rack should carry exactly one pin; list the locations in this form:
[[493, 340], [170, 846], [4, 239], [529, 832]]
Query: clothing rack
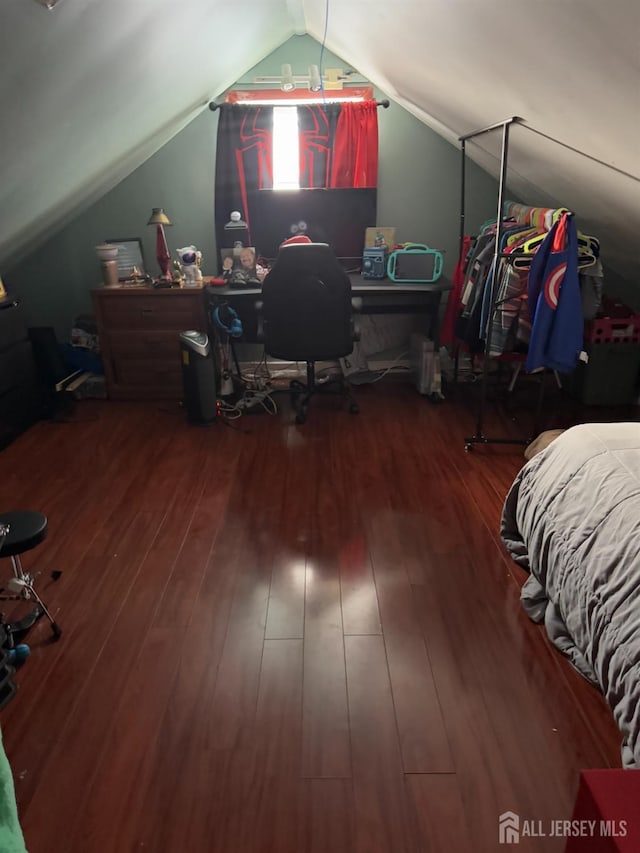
[[479, 437]]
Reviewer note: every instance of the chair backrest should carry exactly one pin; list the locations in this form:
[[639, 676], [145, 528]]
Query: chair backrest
[[307, 305]]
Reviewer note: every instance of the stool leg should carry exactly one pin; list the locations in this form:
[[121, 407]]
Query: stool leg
[[18, 570], [24, 582], [54, 625]]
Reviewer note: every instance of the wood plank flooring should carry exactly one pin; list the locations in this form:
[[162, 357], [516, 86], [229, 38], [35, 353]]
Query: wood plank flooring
[[285, 639]]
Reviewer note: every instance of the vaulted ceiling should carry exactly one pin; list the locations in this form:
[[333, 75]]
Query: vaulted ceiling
[[90, 89]]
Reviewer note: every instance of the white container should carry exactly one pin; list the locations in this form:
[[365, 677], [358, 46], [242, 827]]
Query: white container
[[107, 251]]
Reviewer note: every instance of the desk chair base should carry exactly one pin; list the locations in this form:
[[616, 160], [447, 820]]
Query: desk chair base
[[301, 393]]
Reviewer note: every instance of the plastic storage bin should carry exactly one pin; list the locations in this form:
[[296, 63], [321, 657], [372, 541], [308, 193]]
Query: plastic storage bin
[[615, 324], [610, 378]]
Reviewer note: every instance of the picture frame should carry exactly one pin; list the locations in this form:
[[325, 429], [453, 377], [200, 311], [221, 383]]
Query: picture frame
[[130, 255], [239, 264], [374, 236]]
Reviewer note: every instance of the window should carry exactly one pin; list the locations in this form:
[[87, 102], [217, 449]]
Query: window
[[286, 149], [285, 141]]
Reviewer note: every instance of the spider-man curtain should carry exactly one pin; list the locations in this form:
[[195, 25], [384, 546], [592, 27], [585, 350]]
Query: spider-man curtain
[[243, 162], [317, 131], [338, 145], [338, 148]]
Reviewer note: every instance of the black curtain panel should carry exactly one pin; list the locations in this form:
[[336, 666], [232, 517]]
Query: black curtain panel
[[243, 164], [317, 130]]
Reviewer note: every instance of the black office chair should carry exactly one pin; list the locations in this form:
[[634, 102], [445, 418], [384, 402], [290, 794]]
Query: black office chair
[[307, 314]]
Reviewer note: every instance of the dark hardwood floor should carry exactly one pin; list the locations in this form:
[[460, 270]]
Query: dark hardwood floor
[[286, 639]]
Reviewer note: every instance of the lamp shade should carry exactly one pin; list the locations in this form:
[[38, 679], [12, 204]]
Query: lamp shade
[[158, 217]]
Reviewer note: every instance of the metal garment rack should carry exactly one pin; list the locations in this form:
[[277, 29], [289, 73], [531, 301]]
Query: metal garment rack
[[479, 437]]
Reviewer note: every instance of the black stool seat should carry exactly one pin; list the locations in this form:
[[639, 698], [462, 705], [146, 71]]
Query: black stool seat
[[26, 530]]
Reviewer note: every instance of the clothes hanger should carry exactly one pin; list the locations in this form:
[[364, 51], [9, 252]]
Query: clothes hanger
[[527, 231]]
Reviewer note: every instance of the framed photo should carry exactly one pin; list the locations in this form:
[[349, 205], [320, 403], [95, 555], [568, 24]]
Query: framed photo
[[130, 255], [239, 265], [385, 237]]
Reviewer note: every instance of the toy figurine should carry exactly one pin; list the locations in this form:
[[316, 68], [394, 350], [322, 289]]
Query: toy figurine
[[191, 258], [227, 267], [177, 277]]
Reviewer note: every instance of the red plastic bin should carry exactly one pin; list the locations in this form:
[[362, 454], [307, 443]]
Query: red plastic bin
[[619, 325]]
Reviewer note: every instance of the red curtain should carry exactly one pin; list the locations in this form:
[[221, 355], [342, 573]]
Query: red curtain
[[355, 149]]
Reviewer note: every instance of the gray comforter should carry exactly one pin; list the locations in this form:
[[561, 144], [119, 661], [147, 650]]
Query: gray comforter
[[572, 519]]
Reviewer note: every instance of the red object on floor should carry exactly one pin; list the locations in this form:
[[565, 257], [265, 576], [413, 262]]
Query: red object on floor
[[611, 798]]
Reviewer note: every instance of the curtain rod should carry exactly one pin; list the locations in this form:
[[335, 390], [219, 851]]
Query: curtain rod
[[213, 106]]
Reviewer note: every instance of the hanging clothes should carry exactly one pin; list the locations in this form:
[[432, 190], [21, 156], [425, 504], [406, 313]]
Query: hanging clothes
[[510, 330], [555, 301], [447, 332]]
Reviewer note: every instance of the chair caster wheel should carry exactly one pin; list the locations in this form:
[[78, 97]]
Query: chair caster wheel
[[354, 408], [301, 417], [57, 630], [468, 448]]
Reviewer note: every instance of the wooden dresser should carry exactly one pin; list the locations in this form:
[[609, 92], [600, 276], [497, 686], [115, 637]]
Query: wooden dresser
[[138, 329]]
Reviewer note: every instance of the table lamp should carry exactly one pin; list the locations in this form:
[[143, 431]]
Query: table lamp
[[159, 218]]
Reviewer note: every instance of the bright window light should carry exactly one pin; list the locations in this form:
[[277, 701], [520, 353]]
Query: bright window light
[[286, 149]]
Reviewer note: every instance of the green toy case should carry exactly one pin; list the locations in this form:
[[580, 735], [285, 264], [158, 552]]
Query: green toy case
[[416, 263]]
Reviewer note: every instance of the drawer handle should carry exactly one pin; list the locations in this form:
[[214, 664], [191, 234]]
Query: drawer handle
[[147, 310]]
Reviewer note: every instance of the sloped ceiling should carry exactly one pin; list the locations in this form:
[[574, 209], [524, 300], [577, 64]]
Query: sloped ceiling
[[90, 89]]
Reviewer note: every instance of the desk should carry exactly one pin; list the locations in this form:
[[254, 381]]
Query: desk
[[378, 297]]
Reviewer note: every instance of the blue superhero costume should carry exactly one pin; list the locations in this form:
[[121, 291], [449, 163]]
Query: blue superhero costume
[[555, 303]]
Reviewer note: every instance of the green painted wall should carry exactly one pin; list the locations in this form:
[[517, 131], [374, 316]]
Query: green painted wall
[[419, 193]]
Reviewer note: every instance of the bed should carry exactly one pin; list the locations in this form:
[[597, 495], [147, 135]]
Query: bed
[[572, 520]]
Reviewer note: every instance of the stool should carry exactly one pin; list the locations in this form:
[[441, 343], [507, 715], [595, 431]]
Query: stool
[[20, 532]]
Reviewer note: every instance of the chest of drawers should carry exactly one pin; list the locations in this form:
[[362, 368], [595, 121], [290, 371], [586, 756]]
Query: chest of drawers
[[19, 393], [138, 329]]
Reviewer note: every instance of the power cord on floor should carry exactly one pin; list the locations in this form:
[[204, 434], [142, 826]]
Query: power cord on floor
[[392, 367]]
